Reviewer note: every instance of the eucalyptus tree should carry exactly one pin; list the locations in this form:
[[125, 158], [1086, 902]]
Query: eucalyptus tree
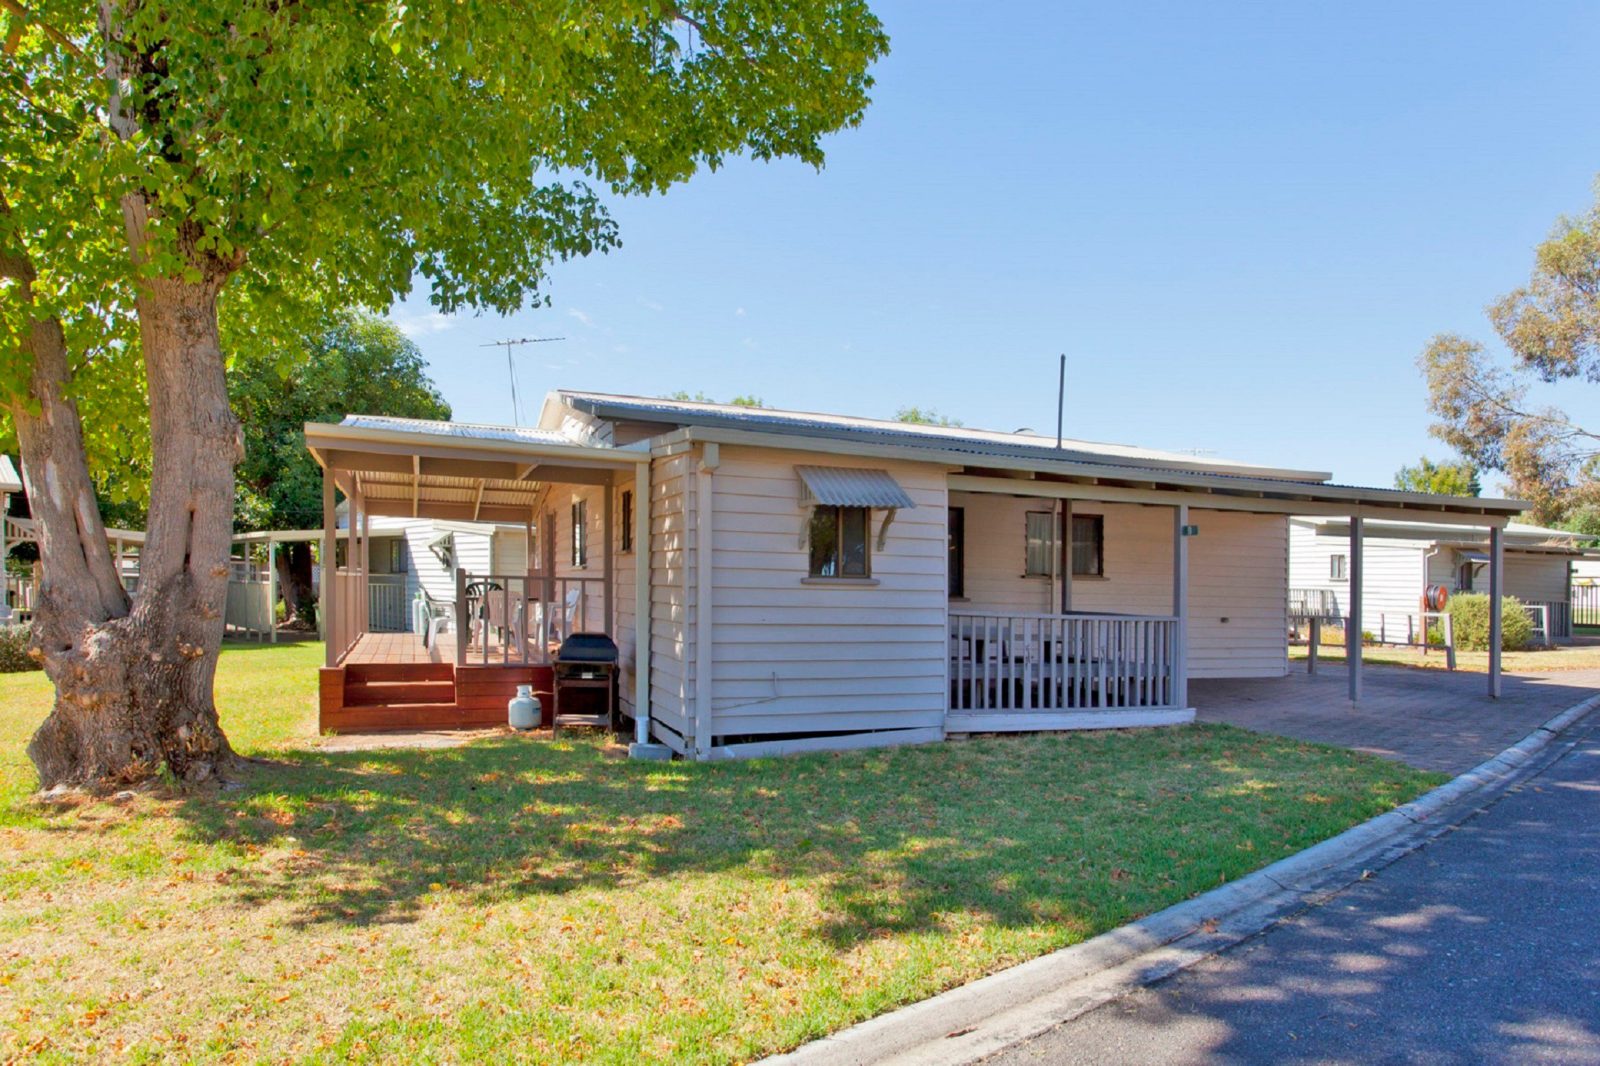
[[162, 158], [1486, 407]]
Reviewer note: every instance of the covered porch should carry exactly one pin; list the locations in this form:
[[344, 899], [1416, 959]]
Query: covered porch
[[1093, 602], [500, 623]]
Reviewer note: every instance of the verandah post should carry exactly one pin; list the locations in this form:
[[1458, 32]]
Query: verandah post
[[325, 609], [1180, 605], [1352, 629], [1496, 590]]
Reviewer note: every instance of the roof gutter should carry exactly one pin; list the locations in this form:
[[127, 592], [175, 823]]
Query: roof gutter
[[323, 436], [1233, 486]]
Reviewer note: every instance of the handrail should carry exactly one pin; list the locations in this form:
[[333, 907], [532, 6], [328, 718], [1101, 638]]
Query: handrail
[[964, 613], [1042, 663], [505, 619]]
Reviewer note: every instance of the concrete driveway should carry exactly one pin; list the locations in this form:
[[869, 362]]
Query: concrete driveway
[[1432, 719]]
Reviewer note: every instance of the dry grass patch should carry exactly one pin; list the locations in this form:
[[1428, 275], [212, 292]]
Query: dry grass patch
[[538, 901]]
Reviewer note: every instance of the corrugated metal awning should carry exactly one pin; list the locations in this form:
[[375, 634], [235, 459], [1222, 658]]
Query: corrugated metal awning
[[845, 486], [1472, 557]]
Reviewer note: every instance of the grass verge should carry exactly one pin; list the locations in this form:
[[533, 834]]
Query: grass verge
[[521, 899], [1584, 656]]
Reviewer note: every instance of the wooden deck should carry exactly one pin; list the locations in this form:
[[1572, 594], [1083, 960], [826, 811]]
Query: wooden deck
[[407, 648], [390, 682]]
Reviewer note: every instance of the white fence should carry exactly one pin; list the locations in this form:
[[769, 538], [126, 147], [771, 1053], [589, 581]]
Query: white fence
[[1046, 662]]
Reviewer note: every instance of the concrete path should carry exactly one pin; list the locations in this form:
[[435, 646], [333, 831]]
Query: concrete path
[[1432, 719], [1482, 947]]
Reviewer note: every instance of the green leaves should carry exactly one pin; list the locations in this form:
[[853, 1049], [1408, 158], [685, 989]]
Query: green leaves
[[312, 157]]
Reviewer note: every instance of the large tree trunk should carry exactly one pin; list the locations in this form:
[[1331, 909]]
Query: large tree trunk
[[134, 687], [295, 581]]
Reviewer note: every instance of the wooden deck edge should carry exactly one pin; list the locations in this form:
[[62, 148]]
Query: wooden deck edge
[[1041, 721]]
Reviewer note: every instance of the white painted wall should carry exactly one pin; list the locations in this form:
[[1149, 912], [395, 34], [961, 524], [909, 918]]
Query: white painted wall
[[1238, 566], [792, 655], [1398, 570], [671, 587]]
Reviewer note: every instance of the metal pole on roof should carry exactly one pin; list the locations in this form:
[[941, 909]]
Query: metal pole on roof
[[511, 370], [1061, 398]]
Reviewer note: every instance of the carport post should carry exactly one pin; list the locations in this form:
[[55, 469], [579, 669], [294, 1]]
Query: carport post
[[1180, 605], [1496, 587], [1352, 625]]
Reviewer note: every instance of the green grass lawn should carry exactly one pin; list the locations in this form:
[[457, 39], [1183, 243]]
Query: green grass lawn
[[1585, 656], [523, 899]]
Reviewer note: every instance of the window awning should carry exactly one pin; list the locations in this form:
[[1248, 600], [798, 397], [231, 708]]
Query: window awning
[[1472, 557], [844, 486]]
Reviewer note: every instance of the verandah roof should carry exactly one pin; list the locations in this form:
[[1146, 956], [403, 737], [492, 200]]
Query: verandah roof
[[417, 468]]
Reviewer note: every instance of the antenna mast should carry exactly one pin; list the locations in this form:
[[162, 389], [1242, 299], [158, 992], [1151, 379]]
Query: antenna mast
[[1061, 398], [511, 370]]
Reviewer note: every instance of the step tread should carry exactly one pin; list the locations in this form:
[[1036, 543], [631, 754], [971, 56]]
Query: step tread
[[366, 672]]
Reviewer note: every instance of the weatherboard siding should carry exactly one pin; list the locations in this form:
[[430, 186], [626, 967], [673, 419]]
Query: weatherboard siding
[[671, 612], [1238, 568], [1393, 576], [792, 656], [1238, 595]]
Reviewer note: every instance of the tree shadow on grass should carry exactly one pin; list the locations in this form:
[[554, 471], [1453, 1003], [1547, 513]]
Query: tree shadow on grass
[[1082, 830]]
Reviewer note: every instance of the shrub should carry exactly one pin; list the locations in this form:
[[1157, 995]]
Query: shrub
[[14, 657], [1469, 613]]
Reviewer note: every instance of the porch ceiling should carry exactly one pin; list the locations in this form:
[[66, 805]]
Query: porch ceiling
[[411, 472]]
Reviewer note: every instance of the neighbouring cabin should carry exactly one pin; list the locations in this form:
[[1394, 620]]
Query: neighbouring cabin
[[781, 582], [1404, 559]]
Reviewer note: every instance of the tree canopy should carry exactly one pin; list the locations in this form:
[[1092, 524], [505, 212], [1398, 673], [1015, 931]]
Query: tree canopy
[[925, 416], [360, 364], [1551, 328], [1446, 478], [747, 400], [160, 160]]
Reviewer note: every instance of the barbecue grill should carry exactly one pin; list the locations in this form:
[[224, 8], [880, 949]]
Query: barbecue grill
[[585, 682]]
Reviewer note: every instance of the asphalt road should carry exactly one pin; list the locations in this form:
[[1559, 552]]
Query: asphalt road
[[1483, 947]]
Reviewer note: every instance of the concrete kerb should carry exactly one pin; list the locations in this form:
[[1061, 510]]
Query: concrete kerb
[[994, 1012]]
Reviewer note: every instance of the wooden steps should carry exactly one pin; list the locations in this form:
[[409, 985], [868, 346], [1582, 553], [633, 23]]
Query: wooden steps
[[389, 697], [385, 693]]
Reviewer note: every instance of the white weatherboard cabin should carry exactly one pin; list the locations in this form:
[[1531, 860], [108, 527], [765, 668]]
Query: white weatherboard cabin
[[779, 581], [1404, 558]]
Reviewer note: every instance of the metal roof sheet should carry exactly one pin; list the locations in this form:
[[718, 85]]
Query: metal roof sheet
[[847, 486], [458, 430], [951, 438]]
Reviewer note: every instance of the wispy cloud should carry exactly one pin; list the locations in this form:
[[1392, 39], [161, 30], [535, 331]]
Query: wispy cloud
[[414, 324], [581, 316], [652, 305], [738, 312]]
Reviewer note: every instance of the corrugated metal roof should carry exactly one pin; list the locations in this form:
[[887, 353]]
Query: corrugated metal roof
[[845, 486], [458, 430], [1517, 534], [951, 438], [9, 481]]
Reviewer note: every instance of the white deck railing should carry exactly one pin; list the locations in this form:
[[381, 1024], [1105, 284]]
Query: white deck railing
[[517, 619], [1046, 662]]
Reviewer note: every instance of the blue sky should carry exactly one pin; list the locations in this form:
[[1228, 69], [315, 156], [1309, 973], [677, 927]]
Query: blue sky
[[1241, 223]]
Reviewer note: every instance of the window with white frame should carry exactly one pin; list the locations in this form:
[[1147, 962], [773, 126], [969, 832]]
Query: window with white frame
[[1338, 568]]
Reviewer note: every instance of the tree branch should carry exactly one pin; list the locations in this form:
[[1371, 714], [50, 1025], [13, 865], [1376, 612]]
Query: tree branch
[[50, 31]]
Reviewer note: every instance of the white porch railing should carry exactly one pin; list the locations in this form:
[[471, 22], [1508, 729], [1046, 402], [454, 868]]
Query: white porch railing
[[1552, 621], [386, 603], [518, 618], [1045, 662]]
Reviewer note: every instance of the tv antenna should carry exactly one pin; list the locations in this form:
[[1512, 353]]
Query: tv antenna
[[511, 369]]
